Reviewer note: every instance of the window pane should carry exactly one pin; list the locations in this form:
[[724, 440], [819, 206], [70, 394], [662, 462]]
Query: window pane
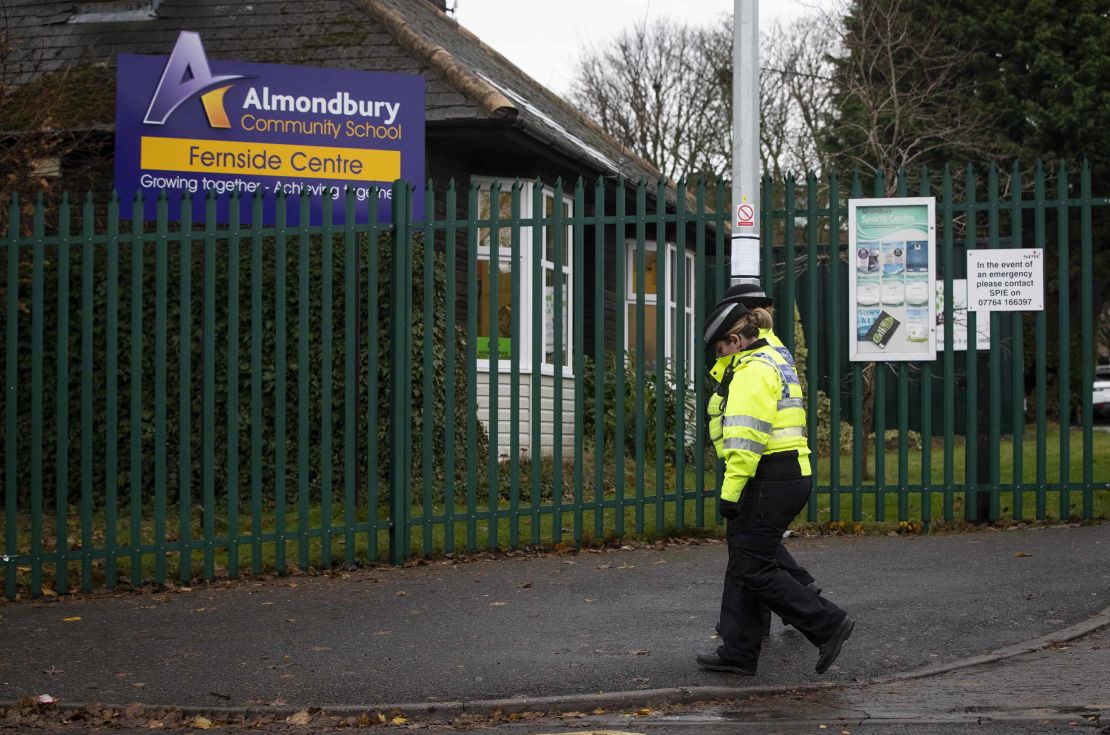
[[689, 346], [486, 284], [689, 282], [568, 233], [649, 333], [549, 319], [548, 240], [505, 211], [673, 351], [649, 271], [549, 231], [672, 263]]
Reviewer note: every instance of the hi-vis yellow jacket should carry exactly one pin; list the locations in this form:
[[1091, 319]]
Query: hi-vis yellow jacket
[[761, 412]]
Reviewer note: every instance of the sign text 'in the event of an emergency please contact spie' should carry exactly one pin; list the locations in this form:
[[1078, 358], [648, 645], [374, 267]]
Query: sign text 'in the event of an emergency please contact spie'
[[1010, 279]]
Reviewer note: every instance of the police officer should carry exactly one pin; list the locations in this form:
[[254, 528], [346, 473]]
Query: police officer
[[752, 296], [767, 482]]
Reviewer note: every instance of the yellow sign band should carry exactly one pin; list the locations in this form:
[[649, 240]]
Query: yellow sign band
[[269, 159]]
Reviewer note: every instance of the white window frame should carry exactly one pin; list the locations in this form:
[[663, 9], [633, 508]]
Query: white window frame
[[671, 307], [527, 295]]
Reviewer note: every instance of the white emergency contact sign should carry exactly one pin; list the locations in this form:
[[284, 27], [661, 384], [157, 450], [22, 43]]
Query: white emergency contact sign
[[1005, 280]]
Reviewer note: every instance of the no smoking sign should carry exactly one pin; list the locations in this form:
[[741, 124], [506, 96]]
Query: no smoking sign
[[745, 215]]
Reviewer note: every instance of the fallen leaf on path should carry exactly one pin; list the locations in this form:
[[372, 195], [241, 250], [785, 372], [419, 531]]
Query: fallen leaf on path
[[498, 604], [398, 721], [74, 619], [300, 718], [1022, 554]]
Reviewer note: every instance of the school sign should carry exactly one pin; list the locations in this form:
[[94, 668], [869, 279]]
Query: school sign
[[184, 124]]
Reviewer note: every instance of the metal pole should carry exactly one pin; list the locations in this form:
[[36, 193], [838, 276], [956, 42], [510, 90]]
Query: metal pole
[[745, 142]]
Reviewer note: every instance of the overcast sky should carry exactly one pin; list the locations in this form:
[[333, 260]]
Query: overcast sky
[[546, 37]]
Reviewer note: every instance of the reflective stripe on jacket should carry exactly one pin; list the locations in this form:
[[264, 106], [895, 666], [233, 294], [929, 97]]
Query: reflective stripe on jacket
[[762, 414]]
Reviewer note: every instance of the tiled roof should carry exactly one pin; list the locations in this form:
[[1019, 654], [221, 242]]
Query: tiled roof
[[465, 79]]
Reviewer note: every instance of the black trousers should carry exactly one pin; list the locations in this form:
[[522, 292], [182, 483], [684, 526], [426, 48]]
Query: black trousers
[[730, 597], [756, 578]]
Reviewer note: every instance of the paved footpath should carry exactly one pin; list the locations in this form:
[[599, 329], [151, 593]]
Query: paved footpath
[[581, 628], [1061, 688]]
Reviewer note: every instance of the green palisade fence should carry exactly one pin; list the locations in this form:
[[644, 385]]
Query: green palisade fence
[[198, 399]]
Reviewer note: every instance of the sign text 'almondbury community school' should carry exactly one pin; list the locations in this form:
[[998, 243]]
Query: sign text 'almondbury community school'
[[184, 124]]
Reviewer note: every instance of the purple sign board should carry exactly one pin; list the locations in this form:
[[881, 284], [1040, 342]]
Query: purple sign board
[[184, 124]]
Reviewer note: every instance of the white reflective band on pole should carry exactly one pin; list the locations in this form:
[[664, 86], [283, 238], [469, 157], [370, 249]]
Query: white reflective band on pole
[[744, 263]]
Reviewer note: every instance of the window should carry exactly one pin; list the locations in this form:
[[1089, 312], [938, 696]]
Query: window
[[673, 310], [556, 269], [495, 282], [555, 263]]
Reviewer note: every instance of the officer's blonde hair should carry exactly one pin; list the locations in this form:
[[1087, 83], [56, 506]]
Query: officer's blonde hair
[[750, 325]]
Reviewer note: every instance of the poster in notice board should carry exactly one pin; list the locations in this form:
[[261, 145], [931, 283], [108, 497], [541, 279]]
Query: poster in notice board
[[891, 282]]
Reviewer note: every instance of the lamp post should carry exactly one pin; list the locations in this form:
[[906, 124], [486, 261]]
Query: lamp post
[[744, 263]]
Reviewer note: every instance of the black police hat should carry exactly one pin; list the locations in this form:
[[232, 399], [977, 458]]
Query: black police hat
[[750, 295], [721, 319]]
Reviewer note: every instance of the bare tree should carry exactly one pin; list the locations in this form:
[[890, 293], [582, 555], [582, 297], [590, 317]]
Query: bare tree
[[665, 91], [658, 90], [899, 86], [796, 94]]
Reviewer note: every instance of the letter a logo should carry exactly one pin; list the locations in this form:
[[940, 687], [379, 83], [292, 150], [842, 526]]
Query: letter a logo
[[187, 74]]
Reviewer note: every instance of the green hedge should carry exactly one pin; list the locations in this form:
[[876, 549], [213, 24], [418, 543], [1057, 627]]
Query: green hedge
[[243, 387]]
